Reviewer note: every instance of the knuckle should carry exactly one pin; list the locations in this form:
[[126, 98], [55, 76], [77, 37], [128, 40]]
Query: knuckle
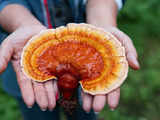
[[22, 80], [49, 88]]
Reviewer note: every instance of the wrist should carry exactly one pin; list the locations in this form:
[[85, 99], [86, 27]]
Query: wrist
[[102, 13], [35, 25], [106, 24], [15, 16], [33, 28], [29, 30]]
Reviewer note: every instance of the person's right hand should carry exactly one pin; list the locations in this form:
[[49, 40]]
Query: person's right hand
[[43, 93]]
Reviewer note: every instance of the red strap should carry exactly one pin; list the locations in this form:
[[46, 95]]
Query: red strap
[[48, 14]]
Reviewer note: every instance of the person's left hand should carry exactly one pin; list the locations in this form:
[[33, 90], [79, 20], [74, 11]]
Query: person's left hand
[[97, 102]]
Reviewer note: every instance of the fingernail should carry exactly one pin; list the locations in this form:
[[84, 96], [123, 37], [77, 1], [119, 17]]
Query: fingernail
[[43, 109], [96, 113], [112, 109], [134, 60], [29, 107]]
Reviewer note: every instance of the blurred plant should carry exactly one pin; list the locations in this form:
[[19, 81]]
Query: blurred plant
[[8, 108]]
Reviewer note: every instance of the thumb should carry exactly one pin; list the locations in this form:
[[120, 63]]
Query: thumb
[[6, 51], [129, 47]]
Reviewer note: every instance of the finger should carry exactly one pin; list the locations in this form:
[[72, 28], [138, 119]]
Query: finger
[[99, 102], [6, 51], [40, 95], [113, 98], [55, 86], [132, 60], [51, 93], [129, 47], [25, 85], [87, 101]]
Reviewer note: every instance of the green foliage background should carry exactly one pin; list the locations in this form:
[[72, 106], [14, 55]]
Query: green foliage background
[[140, 95]]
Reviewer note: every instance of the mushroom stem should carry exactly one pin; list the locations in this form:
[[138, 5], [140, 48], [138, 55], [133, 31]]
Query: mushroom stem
[[68, 85]]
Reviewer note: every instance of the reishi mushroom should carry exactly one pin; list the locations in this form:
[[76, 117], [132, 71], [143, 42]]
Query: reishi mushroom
[[77, 53]]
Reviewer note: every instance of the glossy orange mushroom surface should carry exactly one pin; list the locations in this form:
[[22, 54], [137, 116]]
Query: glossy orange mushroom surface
[[76, 53]]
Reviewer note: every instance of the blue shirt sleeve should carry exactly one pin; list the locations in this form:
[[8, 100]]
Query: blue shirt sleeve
[[4, 3]]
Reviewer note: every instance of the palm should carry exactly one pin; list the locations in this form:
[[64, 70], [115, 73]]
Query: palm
[[11, 48], [97, 102]]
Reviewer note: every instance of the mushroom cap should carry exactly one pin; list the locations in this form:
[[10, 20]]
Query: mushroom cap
[[92, 54]]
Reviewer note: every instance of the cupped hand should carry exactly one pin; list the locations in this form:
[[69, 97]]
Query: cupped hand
[[10, 50], [97, 102]]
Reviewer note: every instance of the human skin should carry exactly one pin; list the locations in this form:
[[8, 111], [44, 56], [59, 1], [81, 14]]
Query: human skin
[[23, 25], [103, 13]]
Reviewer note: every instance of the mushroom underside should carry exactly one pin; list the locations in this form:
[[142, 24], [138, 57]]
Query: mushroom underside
[[76, 53]]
